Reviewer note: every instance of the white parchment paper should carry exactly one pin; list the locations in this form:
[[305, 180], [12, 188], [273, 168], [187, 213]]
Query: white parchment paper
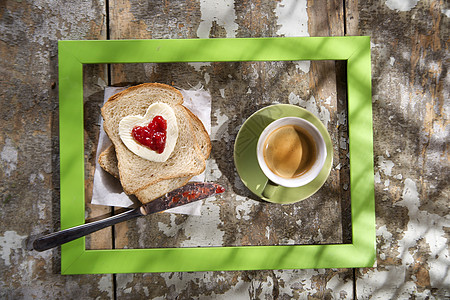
[[107, 189]]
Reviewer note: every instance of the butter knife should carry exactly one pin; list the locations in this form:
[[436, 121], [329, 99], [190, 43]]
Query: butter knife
[[188, 193]]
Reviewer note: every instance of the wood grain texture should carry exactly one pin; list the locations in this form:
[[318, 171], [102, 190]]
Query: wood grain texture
[[95, 77], [409, 41], [410, 93], [29, 169]]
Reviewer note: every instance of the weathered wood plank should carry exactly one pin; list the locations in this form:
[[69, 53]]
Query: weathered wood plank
[[95, 78], [410, 108], [29, 165]]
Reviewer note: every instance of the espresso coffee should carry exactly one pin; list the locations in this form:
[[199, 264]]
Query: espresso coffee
[[289, 151]]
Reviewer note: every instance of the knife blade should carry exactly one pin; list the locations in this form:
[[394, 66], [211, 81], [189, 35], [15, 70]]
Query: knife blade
[[188, 193]]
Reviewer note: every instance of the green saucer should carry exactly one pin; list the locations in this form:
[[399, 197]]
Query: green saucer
[[247, 164]]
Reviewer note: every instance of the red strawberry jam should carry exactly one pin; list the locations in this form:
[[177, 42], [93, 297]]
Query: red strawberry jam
[[153, 135], [220, 189]]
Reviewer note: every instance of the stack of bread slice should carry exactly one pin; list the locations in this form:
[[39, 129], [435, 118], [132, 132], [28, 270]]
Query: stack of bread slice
[[146, 179]]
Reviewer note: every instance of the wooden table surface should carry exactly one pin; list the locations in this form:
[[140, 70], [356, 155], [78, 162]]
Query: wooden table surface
[[410, 60]]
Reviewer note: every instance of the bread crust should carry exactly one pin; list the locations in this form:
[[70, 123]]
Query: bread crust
[[144, 85], [108, 161]]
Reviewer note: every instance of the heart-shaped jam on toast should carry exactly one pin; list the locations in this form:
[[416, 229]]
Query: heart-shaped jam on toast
[[152, 136]]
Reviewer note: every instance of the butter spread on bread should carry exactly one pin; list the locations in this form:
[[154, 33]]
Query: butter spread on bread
[[127, 124]]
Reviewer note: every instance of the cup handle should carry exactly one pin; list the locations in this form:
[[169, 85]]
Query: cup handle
[[269, 189]]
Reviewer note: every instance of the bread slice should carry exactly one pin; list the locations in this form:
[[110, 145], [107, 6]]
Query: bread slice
[[108, 161], [201, 135], [137, 173]]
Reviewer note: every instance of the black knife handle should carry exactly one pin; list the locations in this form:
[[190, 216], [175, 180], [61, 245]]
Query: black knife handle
[[64, 236]]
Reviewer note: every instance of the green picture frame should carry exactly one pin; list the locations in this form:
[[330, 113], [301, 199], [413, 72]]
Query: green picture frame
[[75, 259]]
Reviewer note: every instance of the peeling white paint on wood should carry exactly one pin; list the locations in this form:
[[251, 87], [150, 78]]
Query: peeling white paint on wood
[[446, 12], [292, 18], [213, 172], [177, 283], [293, 22], [342, 118], [312, 106], [203, 230], [41, 207], [244, 208], [343, 143], [267, 232], [430, 227], [385, 165], [290, 284], [219, 129], [199, 65], [377, 177], [220, 11], [123, 280], [393, 282], [10, 242], [9, 157], [222, 93], [169, 230], [384, 238], [387, 284], [33, 177], [401, 5], [105, 285], [391, 61], [340, 289], [207, 78], [303, 65], [142, 230]]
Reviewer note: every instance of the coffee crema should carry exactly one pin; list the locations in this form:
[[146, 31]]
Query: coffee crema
[[289, 151]]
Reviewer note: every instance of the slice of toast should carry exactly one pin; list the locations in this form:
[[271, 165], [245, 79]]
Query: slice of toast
[[108, 161], [137, 173]]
